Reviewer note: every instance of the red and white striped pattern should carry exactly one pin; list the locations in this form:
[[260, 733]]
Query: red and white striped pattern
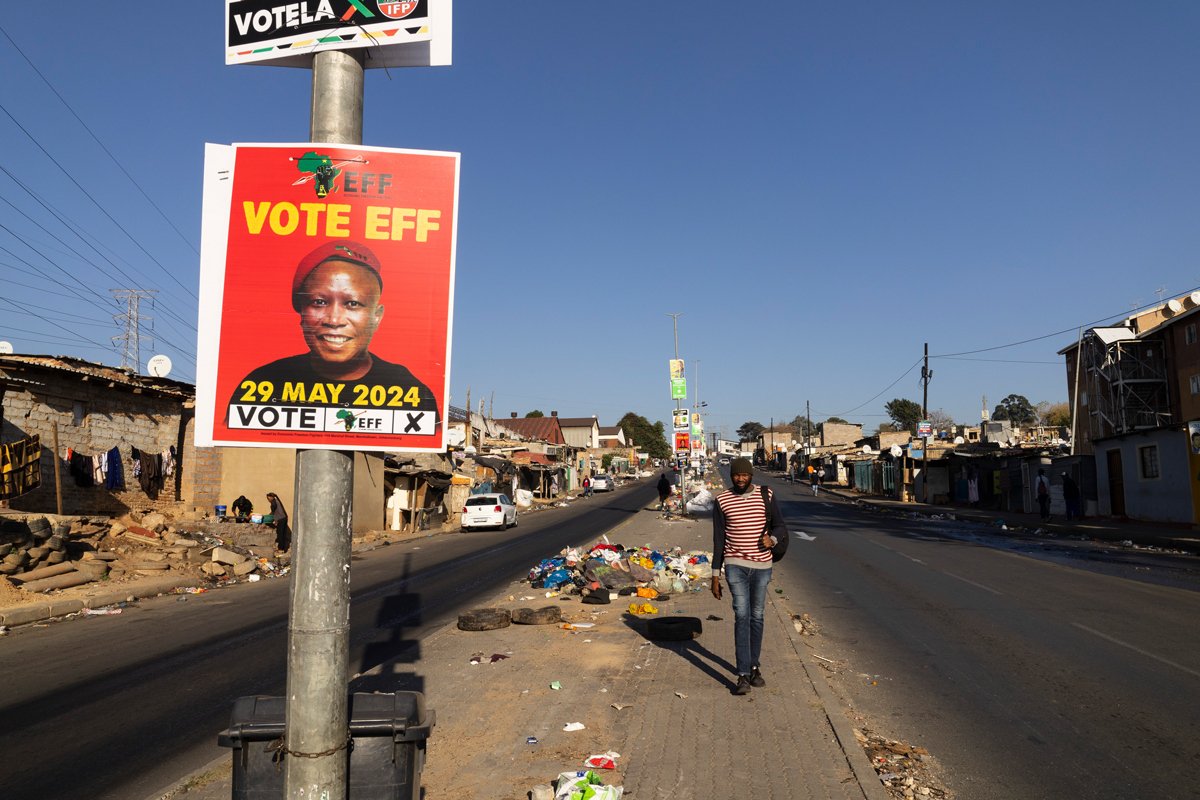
[[745, 521]]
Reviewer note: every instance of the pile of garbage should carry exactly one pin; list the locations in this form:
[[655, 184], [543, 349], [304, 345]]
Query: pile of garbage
[[605, 570]]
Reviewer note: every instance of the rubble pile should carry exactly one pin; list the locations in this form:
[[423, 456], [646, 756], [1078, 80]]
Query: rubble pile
[[604, 571], [38, 555], [906, 771]]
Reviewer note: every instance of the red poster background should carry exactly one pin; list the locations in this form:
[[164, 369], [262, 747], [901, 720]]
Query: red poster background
[[258, 323]]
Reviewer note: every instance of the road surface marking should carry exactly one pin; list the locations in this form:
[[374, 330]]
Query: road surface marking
[[1136, 649], [973, 583]]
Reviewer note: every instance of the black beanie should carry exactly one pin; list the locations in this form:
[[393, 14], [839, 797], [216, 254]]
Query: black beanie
[[742, 465]]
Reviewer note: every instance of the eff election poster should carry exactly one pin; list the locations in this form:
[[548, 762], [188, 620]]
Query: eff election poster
[[326, 285]]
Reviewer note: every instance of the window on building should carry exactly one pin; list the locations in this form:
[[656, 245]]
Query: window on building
[[1148, 461], [1189, 334], [1194, 382], [78, 415]]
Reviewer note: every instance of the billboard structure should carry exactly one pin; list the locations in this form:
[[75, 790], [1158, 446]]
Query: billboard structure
[[326, 286], [396, 33]]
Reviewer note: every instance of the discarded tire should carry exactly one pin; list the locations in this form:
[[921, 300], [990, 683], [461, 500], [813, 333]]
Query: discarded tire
[[484, 619], [673, 629], [546, 615]]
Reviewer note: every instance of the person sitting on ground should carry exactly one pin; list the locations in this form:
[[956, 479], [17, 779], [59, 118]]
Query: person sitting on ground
[[242, 508]]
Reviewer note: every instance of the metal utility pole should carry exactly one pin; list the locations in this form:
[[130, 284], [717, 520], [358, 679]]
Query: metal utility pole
[[317, 727], [682, 486], [926, 375], [807, 431], [132, 319]]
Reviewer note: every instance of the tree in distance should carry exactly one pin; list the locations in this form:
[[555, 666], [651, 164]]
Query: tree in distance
[[905, 413], [1057, 415], [941, 421], [750, 431], [1016, 409], [838, 420], [534, 413], [641, 433]]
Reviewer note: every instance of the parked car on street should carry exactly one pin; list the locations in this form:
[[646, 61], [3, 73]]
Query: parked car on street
[[488, 511], [603, 483]]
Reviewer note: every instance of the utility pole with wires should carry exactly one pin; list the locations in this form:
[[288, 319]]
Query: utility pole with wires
[[132, 319], [926, 376]]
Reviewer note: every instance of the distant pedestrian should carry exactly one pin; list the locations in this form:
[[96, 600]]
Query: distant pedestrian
[[1042, 488], [664, 491], [283, 533], [587, 487], [747, 527], [814, 480], [1071, 497]]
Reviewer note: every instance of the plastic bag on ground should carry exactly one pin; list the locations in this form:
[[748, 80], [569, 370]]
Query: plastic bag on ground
[[703, 501], [585, 786], [524, 498]]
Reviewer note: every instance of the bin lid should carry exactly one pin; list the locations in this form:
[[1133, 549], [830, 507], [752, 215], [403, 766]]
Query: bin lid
[[401, 715]]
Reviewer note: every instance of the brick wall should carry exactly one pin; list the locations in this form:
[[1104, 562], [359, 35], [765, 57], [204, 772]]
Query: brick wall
[[94, 416], [201, 480]]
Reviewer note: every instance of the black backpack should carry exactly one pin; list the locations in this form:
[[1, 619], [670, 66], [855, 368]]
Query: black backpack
[[780, 548]]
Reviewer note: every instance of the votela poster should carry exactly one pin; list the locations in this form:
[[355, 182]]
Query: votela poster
[[327, 276]]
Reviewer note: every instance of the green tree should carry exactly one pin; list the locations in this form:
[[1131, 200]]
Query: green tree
[[534, 413], [644, 435], [1057, 415], [1016, 409], [804, 425], [838, 420], [750, 431], [905, 413]]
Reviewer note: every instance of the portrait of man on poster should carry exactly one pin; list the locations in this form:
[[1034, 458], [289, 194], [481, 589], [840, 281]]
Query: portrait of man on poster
[[336, 292]]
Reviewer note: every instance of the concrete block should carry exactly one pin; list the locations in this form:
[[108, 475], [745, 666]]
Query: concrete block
[[225, 556]]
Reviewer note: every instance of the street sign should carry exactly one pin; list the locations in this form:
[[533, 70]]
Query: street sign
[[678, 388], [679, 419], [924, 429], [400, 33]]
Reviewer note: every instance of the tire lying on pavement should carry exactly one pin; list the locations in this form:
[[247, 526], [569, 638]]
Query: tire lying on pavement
[[673, 629], [484, 619], [546, 615]]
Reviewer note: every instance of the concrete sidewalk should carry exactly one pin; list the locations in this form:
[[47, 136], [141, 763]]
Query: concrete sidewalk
[[665, 707]]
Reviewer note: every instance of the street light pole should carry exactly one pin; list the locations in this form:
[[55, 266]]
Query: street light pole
[[675, 328]]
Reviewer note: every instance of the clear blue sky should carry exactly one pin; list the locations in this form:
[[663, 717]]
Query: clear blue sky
[[819, 188]]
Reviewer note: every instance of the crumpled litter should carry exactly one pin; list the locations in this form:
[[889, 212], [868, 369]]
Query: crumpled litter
[[574, 726], [602, 761], [642, 608]]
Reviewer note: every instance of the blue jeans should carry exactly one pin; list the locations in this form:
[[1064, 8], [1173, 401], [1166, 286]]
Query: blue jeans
[[748, 588]]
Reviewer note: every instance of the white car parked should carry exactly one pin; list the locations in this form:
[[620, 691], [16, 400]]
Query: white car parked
[[603, 483], [488, 510]]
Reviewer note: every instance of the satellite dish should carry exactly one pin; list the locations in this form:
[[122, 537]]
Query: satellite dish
[[959, 440], [1174, 306], [896, 451], [867, 449], [159, 366], [1194, 298], [6, 348]]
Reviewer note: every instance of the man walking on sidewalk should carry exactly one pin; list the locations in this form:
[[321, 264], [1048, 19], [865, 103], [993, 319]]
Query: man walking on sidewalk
[[747, 524]]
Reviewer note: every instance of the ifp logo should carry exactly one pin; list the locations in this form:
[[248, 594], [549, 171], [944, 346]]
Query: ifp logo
[[398, 10]]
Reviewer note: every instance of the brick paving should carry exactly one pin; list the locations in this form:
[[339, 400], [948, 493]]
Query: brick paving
[[780, 741]]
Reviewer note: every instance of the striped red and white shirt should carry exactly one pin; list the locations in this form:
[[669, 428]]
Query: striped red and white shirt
[[739, 521]]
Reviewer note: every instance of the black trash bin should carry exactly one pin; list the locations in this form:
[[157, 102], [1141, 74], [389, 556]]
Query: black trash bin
[[386, 753]]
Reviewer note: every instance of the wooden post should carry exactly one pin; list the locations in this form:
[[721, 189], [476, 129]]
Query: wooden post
[[57, 470]]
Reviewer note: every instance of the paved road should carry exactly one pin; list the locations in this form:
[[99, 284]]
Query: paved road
[[112, 708], [1029, 672]]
